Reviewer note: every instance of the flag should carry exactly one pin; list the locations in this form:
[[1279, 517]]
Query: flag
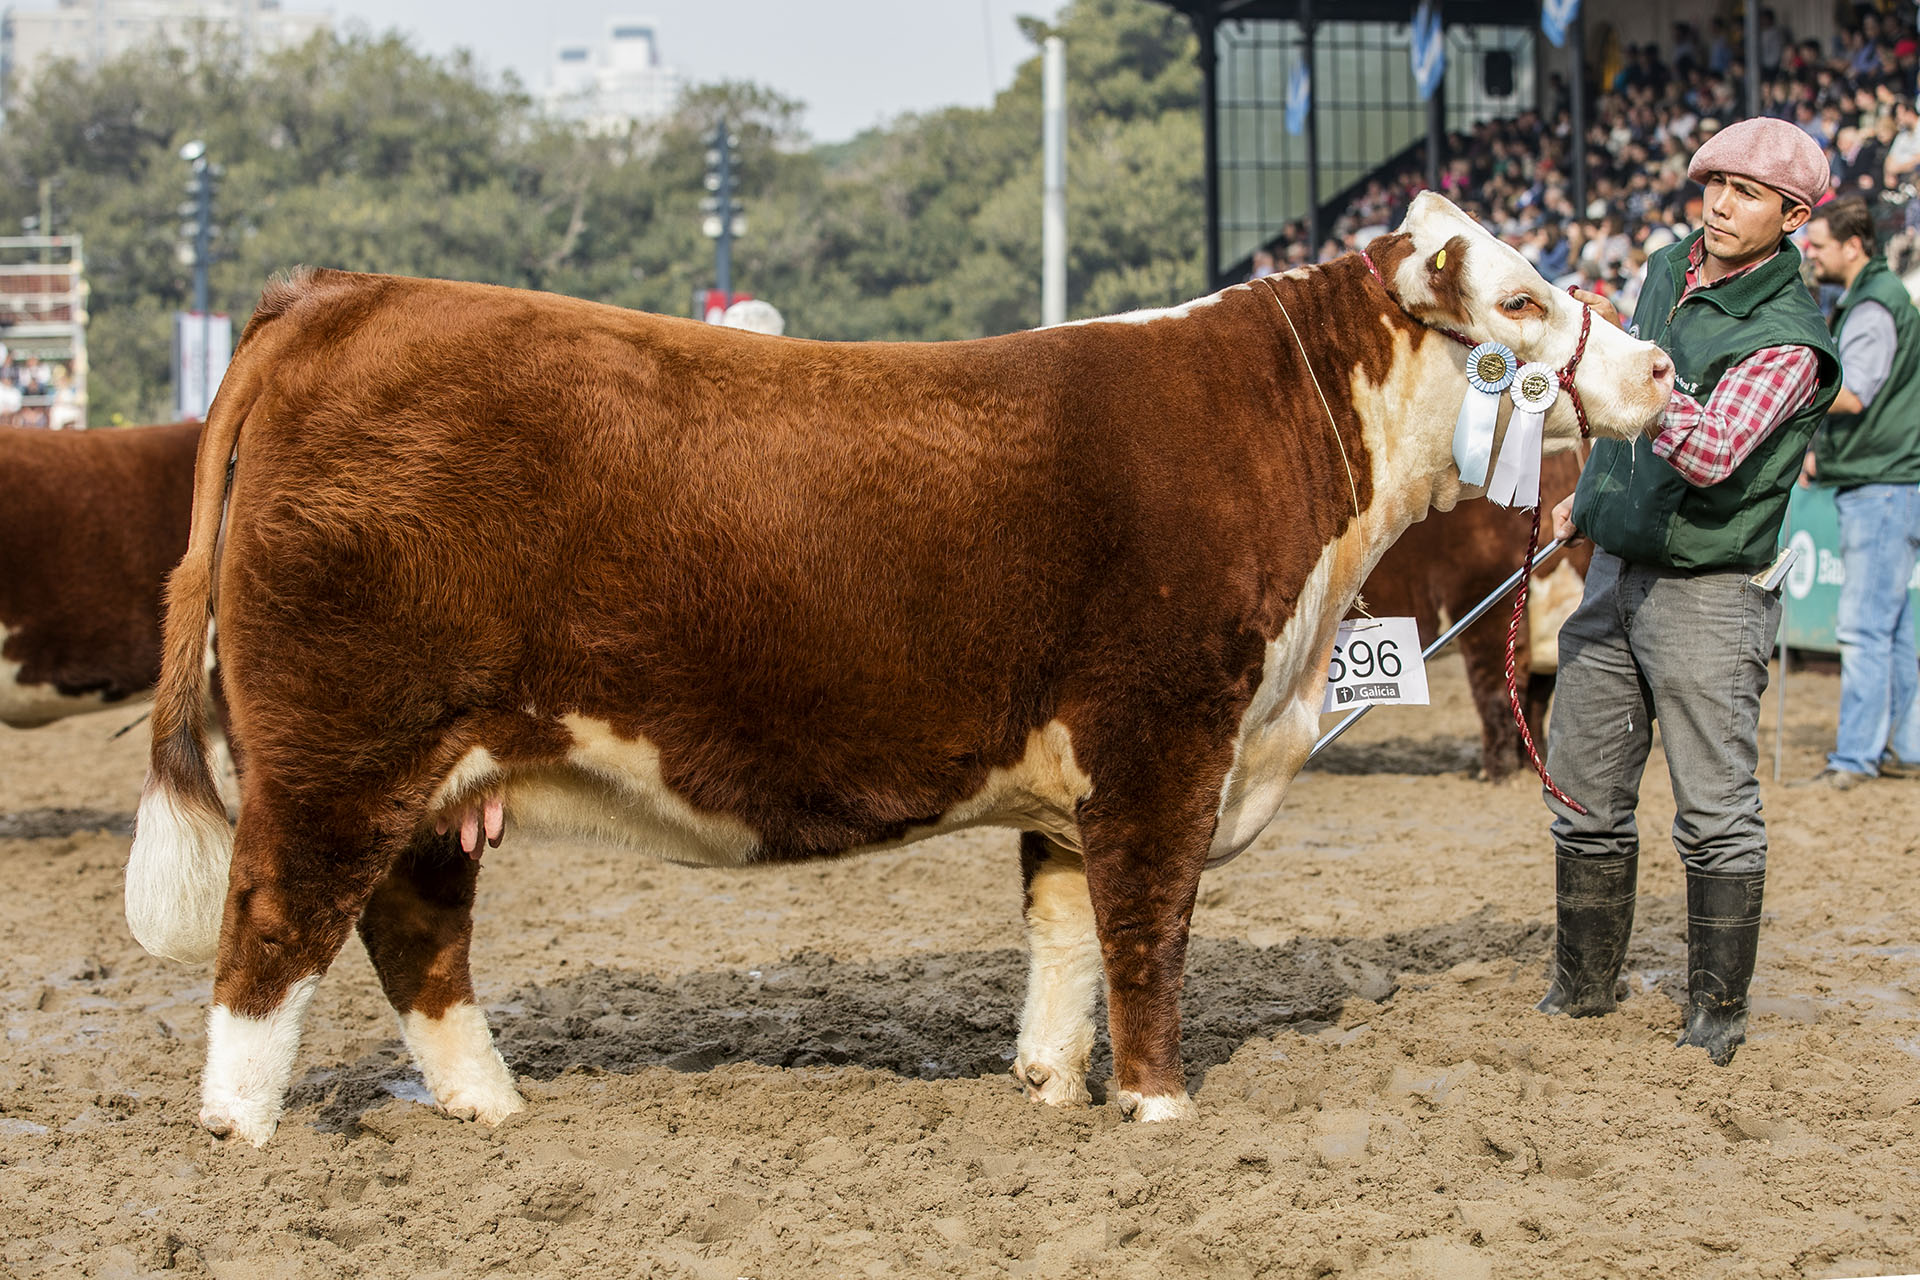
[[1299, 95], [1555, 17], [1429, 49]]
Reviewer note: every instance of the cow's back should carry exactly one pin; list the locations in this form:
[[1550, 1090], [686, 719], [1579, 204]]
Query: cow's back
[[90, 524]]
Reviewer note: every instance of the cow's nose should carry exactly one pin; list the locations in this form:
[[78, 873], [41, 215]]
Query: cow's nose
[[1663, 368]]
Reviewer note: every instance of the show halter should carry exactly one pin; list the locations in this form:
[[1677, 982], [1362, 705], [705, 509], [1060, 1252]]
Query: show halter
[[1531, 401]]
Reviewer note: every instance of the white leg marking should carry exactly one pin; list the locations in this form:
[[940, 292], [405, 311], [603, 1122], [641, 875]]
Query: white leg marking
[[177, 877], [1148, 1110], [249, 1063], [463, 1070], [1056, 1029]]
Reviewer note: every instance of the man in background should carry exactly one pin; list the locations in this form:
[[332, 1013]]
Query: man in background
[[1868, 451]]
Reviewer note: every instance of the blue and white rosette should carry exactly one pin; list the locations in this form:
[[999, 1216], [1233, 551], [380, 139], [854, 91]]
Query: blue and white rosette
[[1516, 477], [1490, 370]]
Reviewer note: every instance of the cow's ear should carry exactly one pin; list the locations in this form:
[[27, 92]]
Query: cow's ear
[[1432, 287], [1444, 274], [1389, 254]]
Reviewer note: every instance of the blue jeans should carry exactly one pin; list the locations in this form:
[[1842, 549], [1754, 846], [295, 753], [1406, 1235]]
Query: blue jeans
[[1879, 668]]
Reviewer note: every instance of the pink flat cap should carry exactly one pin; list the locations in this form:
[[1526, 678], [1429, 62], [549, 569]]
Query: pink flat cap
[[1768, 151]]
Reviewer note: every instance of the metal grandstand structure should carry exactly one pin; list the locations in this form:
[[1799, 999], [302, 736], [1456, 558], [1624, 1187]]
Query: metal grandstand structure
[[1365, 113]]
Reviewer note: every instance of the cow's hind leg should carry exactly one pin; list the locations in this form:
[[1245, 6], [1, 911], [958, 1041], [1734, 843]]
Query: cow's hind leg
[[417, 928], [1063, 979], [298, 883]]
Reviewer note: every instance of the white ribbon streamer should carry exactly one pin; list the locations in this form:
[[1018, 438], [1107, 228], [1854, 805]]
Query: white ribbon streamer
[[1490, 370], [1516, 477], [1473, 436]]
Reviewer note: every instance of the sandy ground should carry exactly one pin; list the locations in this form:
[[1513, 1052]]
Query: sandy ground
[[802, 1071]]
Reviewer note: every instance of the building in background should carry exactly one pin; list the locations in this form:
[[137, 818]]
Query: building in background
[[43, 332], [91, 32], [615, 82]]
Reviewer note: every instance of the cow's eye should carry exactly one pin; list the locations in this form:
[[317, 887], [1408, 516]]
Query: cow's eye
[[1521, 304]]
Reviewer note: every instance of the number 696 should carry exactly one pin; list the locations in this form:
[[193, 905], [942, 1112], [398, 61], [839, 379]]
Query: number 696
[[1361, 660]]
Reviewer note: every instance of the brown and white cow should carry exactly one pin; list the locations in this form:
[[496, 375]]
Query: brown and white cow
[[91, 522], [735, 599], [1449, 565]]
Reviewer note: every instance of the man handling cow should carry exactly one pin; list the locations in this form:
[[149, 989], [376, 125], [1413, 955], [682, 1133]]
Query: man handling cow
[[1671, 627], [1868, 451]]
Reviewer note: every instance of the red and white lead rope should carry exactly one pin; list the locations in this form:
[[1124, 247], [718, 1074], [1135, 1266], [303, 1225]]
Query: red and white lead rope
[[1513, 682]]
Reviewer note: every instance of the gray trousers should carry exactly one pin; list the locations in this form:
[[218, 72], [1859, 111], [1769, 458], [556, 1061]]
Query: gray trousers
[[1687, 649]]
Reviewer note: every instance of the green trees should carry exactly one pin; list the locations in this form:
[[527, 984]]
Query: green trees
[[359, 152]]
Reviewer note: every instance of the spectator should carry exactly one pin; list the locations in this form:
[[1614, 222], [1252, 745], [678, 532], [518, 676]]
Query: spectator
[[1773, 41], [1903, 153]]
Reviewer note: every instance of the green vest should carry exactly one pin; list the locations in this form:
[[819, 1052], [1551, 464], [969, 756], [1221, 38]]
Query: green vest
[[1882, 445], [1632, 502]]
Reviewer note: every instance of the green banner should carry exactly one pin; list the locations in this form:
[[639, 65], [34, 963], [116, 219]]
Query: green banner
[[1812, 594]]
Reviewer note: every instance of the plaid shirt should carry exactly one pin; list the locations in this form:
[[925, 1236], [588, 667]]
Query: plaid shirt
[[1705, 442]]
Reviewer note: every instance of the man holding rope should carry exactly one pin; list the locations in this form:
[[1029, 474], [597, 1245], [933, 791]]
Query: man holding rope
[[1672, 625]]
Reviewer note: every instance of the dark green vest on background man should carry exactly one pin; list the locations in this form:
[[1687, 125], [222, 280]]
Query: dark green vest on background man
[[1881, 445], [1630, 501]]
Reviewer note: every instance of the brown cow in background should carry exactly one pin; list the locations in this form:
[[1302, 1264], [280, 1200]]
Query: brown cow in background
[[1455, 559], [91, 523]]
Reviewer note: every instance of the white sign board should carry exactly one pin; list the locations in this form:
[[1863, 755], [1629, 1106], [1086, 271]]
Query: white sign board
[[1377, 662], [202, 345]]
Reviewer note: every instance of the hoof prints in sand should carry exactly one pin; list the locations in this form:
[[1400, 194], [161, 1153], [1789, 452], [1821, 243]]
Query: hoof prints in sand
[[936, 1016]]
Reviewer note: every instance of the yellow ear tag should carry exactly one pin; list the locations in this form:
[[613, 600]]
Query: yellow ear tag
[[1440, 260]]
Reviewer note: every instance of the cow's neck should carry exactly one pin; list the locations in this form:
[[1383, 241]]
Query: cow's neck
[[1406, 418]]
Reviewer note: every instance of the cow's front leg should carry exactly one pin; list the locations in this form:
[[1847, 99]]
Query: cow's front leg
[[418, 928], [1143, 865], [1063, 978]]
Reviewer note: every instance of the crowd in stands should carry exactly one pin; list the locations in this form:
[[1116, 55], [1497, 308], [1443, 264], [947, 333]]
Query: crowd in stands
[[1649, 113]]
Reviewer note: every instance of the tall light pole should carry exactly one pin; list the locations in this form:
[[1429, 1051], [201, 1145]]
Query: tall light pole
[[199, 214], [196, 392], [725, 219], [1053, 206]]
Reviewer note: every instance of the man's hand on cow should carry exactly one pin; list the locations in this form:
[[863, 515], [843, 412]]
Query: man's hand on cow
[[1563, 521], [1601, 306]]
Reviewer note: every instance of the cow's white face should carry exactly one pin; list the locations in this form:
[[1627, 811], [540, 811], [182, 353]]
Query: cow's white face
[[1459, 276]]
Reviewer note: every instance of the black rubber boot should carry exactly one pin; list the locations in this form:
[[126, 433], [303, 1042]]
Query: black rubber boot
[[1595, 918], [1723, 935]]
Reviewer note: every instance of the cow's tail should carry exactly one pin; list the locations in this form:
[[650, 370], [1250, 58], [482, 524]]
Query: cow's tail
[[182, 842]]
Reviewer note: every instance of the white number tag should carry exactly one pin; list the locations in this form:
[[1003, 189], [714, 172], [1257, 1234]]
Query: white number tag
[[1377, 661]]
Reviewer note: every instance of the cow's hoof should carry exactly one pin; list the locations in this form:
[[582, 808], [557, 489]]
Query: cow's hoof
[[485, 1106], [1055, 1085], [1147, 1110], [230, 1121]]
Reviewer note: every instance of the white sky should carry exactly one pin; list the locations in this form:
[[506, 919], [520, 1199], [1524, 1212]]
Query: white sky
[[854, 63]]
